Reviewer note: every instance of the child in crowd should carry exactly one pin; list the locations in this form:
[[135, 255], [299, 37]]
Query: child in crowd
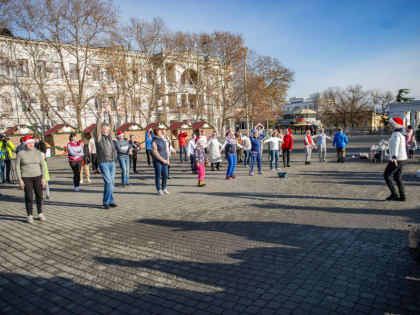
[[200, 161], [412, 147]]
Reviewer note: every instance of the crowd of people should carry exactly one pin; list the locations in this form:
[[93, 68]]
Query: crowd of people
[[103, 150]]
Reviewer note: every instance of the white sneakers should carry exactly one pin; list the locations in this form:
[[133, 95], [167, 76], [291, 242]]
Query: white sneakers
[[160, 192], [78, 188], [89, 181], [166, 192], [41, 218], [81, 181]]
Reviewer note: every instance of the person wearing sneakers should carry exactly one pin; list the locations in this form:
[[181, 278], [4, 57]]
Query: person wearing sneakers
[[200, 160], [107, 154], [246, 142], [256, 151], [322, 144], [85, 162], [274, 142], [213, 146], [286, 147], [309, 145], [229, 146], [160, 156], [398, 155], [30, 170], [170, 149], [124, 150], [340, 142], [190, 152], [75, 153], [182, 139]]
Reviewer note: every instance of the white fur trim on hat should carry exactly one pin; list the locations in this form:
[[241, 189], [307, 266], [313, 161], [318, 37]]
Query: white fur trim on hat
[[397, 122], [28, 141]]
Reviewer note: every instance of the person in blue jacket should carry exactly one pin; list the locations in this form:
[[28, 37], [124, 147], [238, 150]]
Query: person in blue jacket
[[149, 139], [340, 142], [256, 156]]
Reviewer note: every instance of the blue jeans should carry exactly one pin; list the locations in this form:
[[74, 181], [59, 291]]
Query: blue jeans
[[232, 158], [255, 156], [274, 156], [247, 155], [193, 166], [161, 173], [108, 175], [124, 161], [183, 150]]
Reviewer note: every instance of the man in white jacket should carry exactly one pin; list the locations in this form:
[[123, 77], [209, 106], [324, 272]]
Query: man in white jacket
[[398, 155], [190, 153]]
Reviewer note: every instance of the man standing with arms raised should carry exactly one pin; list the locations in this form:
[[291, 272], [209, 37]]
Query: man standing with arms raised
[[107, 154]]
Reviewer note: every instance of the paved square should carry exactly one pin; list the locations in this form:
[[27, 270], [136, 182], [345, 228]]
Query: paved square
[[321, 241]]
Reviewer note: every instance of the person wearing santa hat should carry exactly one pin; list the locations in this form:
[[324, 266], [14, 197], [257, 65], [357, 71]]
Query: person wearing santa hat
[[398, 155], [30, 170], [124, 150], [309, 145]]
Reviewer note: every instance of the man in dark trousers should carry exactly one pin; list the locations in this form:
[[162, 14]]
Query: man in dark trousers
[[136, 148]]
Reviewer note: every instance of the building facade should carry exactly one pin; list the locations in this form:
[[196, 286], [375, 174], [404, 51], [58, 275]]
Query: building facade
[[44, 84], [408, 111]]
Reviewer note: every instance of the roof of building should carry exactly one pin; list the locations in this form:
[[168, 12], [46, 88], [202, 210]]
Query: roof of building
[[125, 126], [56, 128], [156, 125], [201, 124], [89, 129], [305, 111], [179, 125], [11, 130]]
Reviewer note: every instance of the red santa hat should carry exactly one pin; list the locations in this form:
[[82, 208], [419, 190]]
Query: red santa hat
[[397, 122], [289, 131], [228, 132], [27, 139], [120, 132]]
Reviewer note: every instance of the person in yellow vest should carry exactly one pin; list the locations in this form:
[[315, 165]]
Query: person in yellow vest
[[6, 149]]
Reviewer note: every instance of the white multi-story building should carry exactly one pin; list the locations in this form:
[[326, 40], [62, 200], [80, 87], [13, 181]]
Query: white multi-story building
[[44, 84]]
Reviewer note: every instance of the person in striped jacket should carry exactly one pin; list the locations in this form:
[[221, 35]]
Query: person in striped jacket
[[309, 145]]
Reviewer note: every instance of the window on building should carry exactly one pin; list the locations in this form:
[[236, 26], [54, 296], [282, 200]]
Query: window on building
[[41, 68], [135, 73], [149, 77], [110, 75], [170, 73], [5, 103], [4, 68], [73, 71], [58, 71], [22, 68], [98, 102], [61, 102], [184, 100], [26, 102], [96, 73], [113, 102], [192, 100], [172, 100]]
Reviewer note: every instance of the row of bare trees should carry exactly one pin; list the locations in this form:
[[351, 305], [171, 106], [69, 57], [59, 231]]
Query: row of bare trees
[[349, 107], [133, 65]]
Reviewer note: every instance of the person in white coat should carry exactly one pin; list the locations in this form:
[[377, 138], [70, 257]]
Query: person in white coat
[[398, 155], [213, 147], [275, 142]]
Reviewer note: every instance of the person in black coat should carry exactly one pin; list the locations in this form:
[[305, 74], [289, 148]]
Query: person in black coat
[[136, 148]]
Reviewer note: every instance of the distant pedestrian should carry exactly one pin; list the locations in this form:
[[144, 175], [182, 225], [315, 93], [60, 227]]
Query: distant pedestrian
[[246, 143], [160, 161], [93, 155], [322, 144], [6, 149], [47, 178], [75, 154], [148, 140], [200, 160], [412, 148], [107, 154], [30, 170], [340, 142], [309, 145], [409, 137], [287, 147], [398, 160], [136, 148], [124, 149], [213, 147], [274, 144], [170, 149], [85, 162], [20, 147], [182, 140], [190, 152]]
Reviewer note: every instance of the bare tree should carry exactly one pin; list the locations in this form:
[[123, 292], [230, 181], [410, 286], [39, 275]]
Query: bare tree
[[383, 99]]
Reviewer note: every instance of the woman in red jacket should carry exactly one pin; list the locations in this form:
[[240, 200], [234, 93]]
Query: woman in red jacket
[[286, 147], [182, 138]]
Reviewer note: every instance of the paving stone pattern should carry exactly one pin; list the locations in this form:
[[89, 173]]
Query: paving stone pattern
[[321, 241]]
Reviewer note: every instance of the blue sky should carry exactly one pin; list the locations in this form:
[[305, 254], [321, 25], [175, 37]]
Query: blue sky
[[326, 43]]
